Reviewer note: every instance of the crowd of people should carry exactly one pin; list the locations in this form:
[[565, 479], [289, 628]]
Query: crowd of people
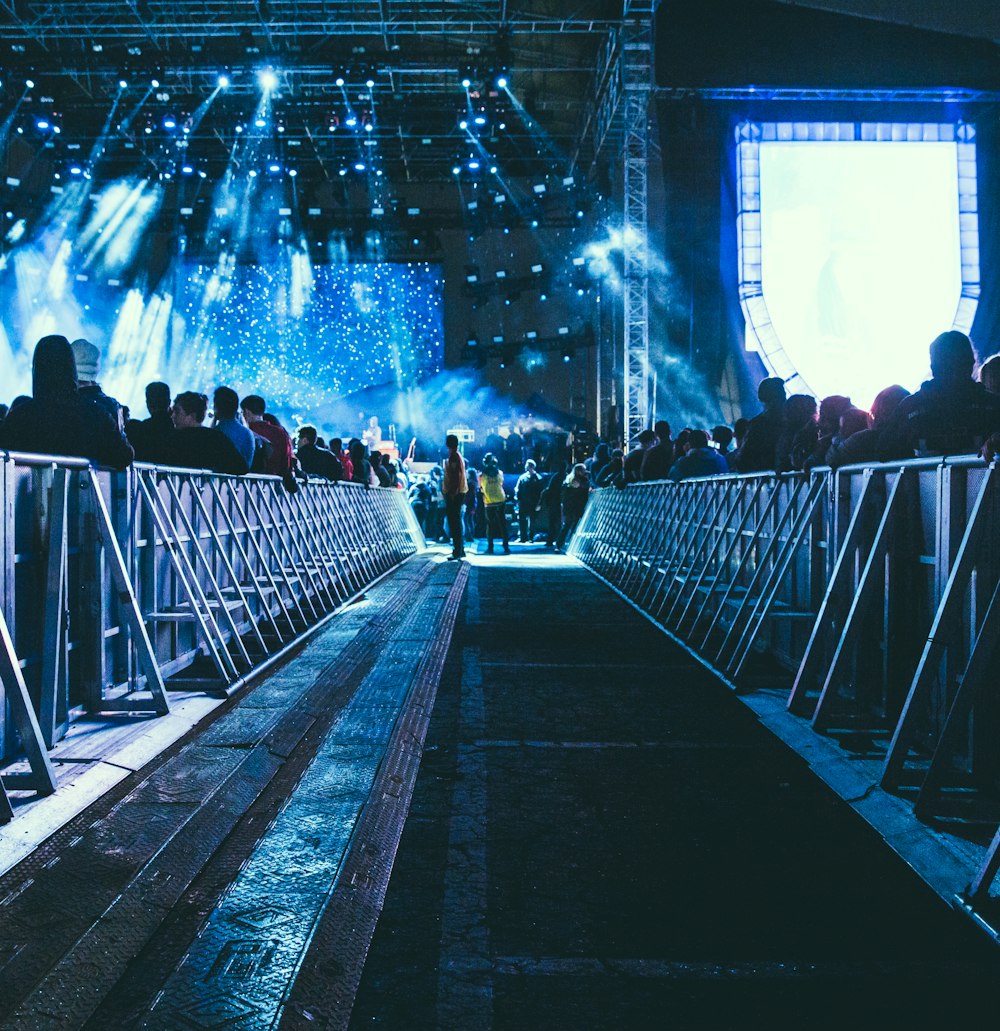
[[68, 413]]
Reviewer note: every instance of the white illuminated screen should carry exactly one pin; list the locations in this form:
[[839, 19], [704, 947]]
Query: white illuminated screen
[[860, 261]]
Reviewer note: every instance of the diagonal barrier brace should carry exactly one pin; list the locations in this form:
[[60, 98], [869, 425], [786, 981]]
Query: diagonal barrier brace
[[54, 694]]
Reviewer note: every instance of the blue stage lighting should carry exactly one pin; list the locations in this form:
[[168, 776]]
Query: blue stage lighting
[[501, 81], [292, 173], [260, 122], [274, 168], [239, 128], [252, 173], [456, 170], [480, 120], [75, 170], [42, 124], [30, 83], [342, 171], [474, 165], [122, 84], [187, 170], [370, 83], [339, 81], [463, 124], [155, 83], [466, 82], [493, 169], [369, 127], [169, 123], [222, 81], [268, 79], [351, 122], [359, 166]]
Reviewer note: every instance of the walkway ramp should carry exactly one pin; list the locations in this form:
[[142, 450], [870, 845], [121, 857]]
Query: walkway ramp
[[564, 820]]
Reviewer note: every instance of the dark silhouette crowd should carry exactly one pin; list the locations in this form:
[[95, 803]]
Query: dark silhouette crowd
[[68, 414]]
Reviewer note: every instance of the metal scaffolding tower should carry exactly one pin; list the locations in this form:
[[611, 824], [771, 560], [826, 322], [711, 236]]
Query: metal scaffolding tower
[[637, 82]]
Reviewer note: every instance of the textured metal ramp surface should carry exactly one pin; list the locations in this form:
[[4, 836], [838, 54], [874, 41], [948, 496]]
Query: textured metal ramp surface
[[244, 962], [85, 909]]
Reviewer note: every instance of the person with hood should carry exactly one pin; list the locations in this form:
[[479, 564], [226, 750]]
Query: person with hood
[[575, 491], [56, 420], [528, 494], [88, 365], [150, 437], [951, 414], [495, 501]]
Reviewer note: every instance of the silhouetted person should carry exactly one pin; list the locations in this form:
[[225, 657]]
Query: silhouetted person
[[575, 491], [552, 503], [799, 433], [863, 445], [454, 487], [612, 475], [760, 446], [3, 413], [700, 460], [361, 468], [88, 365], [658, 459], [635, 458], [602, 455], [528, 494], [831, 410], [195, 446], [56, 420], [375, 457], [226, 403], [150, 436], [989, 374], [950, 414], [315, 460]]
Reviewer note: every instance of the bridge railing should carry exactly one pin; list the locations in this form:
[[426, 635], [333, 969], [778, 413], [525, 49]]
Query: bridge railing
[[871, 595], [120, 586]]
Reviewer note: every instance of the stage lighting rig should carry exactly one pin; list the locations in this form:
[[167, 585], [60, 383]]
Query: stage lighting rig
[[268, 79]]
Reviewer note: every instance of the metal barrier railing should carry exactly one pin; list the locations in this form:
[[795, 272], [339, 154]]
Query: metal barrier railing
[[117, 587], [871, 593]]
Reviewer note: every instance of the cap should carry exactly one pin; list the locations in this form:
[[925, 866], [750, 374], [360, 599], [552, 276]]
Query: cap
[[88, 360]]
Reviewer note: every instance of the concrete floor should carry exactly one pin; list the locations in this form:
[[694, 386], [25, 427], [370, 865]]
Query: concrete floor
[[603, 836]]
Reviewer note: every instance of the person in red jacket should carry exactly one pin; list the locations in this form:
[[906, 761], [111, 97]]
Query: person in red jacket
[[280, 461]]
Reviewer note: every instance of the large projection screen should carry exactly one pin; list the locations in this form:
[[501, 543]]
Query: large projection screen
[[858, 244]]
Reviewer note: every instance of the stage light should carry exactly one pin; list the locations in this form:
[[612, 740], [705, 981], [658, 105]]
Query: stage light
[[155, 83], [472, 277], [351, 121], [274, 168], [280, 128], [579, 214], [122, 84], [370, 82], [567, 355], [253, 173], [493, 171], [568, 181], [203, 174], [42, 124], [501, 81], [463, 124], [260, 123], [239, 128], [466, 82], [539, 188], [148, 130], [480, 120], [222, 81], [474, 165], [579, 291], [537, 269], [292, 173], [501, 273], [342, 171], [30, 83], [169, 123], [187, 170], [563, 331], [268, 79], [472, 342], [339, 81], [456, 170], [369, 127], [502, 125], [534, 223], [75, 170], [359, 166]]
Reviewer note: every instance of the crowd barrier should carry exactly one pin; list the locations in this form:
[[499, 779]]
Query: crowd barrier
[[118, 587], [871, 594]]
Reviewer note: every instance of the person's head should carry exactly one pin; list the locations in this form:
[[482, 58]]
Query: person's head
[[830, 410], [356, 450], [225, 401], [800, 410], [740, 428], [771, 391], [723, 436], [375, 457], [683, 439], [253, 406], [373, 422], [337, 446], [189, 410], [490, 464], [3, 412], [854, 420], [697, 439], [662, 430], [989, 374], [320, 442], [53, 368], [886, 402], [602, 452], [271, 420], [580, 471], [157, 397], [647, 438], [88, 360], [529, 466], [307, 435], [451, 442], [952, 357]]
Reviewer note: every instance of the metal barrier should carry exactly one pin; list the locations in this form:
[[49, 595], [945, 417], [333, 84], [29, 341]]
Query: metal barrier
[[117, 587], [872, 594]]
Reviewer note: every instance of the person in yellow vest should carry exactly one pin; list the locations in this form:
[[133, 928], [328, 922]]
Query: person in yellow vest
[[495, 500]]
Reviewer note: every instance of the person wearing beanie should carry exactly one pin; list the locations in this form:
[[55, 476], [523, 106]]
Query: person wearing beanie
[[88, 365]]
